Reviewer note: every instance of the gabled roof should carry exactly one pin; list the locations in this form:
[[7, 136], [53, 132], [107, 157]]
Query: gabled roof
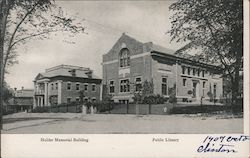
[[153, 47]]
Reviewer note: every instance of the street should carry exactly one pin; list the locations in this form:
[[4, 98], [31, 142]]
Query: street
[[76, 123]]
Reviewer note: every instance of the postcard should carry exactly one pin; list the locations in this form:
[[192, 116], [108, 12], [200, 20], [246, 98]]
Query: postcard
[[167, 78]]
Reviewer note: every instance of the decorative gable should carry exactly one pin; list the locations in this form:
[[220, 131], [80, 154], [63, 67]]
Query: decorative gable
[[39, 76]]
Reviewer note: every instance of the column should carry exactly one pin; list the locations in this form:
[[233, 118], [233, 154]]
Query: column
[[198, 91], [46, 93], [101, 91], [39, 101], [34, 96], [49, 93], [59, 97]]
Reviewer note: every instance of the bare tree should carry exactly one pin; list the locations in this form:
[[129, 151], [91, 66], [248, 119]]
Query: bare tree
[[25, 20]]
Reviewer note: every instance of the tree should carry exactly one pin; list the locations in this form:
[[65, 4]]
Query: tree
[[7, 92], [23, 20], [147, 93], [216, 28], [172, 94]]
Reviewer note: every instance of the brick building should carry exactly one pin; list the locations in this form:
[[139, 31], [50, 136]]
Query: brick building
[[130, 62], [63, 83]]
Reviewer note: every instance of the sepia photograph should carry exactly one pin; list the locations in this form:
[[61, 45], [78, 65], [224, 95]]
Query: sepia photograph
[[124, 78], [122, 67]]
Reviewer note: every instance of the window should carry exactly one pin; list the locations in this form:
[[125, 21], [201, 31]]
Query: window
[[194, 71], [68, 86], [184, 81], [164, 87], [204, 84], [215, 86], [93, 87], [183, 69], [68, 100], [86, 87], [111, 87], [56, 85], [124, 85], [189, 71], [77, 86], [203, 73], [138, 84], [199, 71], [93, 100], [124, 58], [77, 99], [52, 86]]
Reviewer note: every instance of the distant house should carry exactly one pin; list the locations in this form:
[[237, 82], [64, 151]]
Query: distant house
[[63, 83], [22, 100], [130, 62]]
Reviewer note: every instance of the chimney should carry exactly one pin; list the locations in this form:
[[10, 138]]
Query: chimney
[[89, 73], [73, 72], [22, 88]]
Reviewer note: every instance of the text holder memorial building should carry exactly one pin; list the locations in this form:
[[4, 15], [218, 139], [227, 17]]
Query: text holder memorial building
[[130, 62]]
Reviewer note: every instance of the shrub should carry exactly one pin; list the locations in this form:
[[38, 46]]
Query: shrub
[[103, 106], [154, 99], [172, 94], [40, 109]]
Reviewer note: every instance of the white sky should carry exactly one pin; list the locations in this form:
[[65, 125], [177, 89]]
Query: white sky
[[106, 21]]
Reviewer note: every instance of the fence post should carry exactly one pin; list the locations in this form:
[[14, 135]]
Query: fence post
[[137, 109], [127, 108]]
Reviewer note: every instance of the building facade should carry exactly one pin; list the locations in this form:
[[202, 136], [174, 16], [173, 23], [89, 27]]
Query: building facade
[[64, 84], [22, 100], [130, 63]]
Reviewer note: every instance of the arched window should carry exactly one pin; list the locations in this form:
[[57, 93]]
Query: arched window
[[124, 58]]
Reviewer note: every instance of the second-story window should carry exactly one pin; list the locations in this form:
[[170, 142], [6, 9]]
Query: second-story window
[[56, 86], [189, 71], [203, 73], [52, 86], [86, 87], [93, 87], [68, 86], [199, 71], [194, 71], [111, 87], [77, 86], [124, 58], [183, 69]]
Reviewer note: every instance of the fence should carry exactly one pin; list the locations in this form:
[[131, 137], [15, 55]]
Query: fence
[[144, 109]]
